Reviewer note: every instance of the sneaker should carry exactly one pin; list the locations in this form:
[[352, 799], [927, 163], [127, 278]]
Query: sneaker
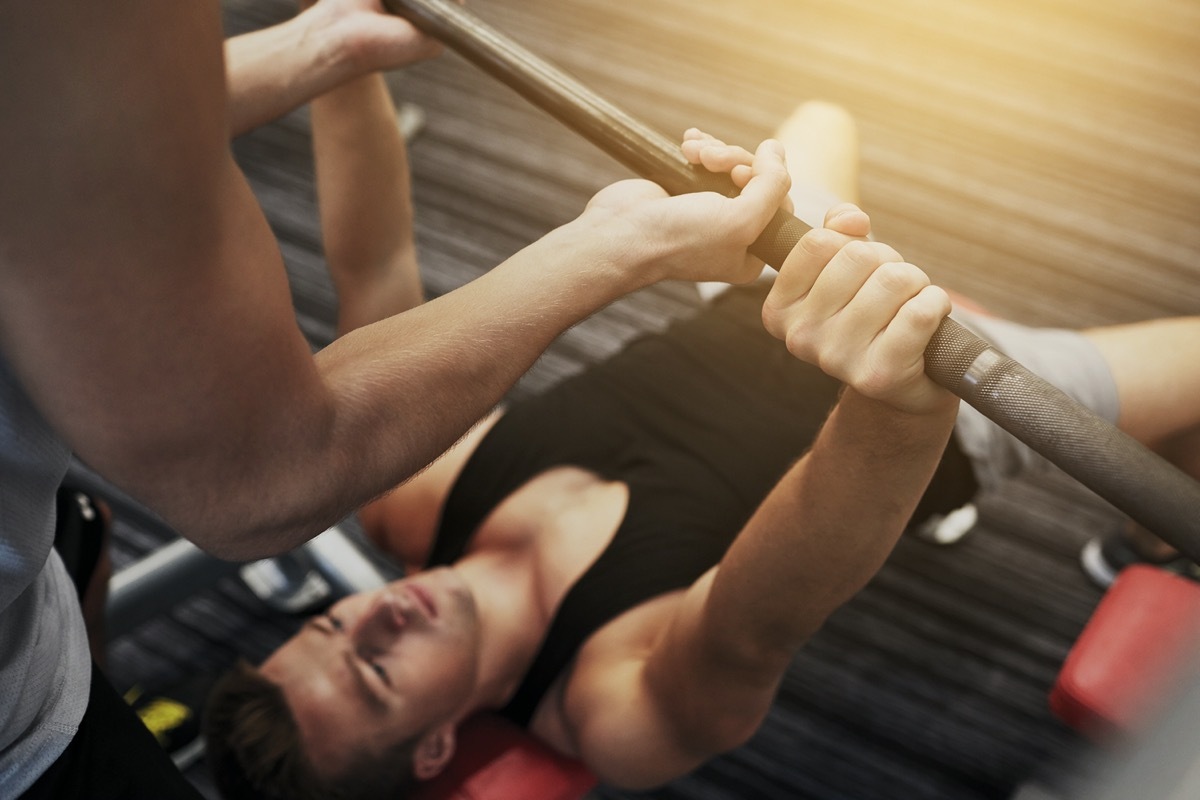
[[949, 528], [173, 716], [1103, 558], [410, 119]]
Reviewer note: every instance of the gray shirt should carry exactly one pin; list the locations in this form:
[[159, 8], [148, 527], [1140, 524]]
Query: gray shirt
[[45, 668]]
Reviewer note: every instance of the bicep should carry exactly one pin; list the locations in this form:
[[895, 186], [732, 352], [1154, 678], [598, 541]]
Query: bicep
[[403, 522], [142, 298], [660, 713], [620, 732]]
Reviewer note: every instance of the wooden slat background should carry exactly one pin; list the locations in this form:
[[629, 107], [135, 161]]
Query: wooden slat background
[[1043, 157]]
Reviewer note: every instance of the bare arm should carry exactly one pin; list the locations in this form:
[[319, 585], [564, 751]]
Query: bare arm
[[144, 305], [277, 69], [403, 523], [365, 203], [710, 676]]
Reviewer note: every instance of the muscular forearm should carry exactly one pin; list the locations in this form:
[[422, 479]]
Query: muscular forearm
[[274, 70], [153, 327], [827, 527], [395, 395]]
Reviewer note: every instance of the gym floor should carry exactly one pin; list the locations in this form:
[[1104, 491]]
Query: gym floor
[[1040, 157]]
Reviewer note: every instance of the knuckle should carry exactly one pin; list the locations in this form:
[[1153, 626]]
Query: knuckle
[[888, 253], [775, 180], [876, 378], [772, 318], [822, 242], [798, 339], [939, 298], [900, 277], [871, 253], [784, 180], [860, 252], [922, 316], [833, 359], [834, 365], [779, 191]]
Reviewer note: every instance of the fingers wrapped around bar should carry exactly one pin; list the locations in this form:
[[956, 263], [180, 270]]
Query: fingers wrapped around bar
[[702, 236], [861, 313]]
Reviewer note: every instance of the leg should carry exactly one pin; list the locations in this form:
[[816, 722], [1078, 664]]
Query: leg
[[821, 142], [1141, 377], [1154, 365], [365, 204]]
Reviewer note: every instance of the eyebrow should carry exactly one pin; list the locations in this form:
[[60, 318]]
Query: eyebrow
[[311, 622], [365, 689]]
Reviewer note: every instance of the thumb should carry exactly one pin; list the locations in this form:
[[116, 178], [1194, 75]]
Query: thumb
[[848, 219]]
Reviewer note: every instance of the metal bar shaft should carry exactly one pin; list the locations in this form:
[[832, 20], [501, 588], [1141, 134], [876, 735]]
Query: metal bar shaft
[[1097, 454]]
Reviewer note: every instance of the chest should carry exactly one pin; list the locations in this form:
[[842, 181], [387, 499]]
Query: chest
[[590, 597], [559, 522]]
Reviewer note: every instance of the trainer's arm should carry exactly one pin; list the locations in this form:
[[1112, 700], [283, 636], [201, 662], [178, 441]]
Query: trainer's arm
[[276, 69], [145, 310]]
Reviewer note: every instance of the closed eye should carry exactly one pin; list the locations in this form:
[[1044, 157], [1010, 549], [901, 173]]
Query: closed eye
[[375, 667], [380, 671]]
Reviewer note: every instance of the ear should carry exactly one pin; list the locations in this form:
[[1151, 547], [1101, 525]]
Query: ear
[[434, 751]]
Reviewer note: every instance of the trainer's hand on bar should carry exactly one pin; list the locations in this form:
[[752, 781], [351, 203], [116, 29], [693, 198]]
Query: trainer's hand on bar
[[366, 34], [861, 313], [714, 155], [701, 236]]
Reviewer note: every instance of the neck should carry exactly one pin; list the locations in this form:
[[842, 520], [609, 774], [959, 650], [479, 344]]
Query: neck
[[524, 559], [511, 623]]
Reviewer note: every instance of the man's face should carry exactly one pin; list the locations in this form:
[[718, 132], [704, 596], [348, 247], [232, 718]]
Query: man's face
[[380, 667]]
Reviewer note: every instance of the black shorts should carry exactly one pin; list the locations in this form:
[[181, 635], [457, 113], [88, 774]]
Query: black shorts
[[113, 754]]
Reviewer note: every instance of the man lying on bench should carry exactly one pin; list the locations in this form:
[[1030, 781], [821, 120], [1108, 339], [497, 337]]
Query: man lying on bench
[[627, 564]]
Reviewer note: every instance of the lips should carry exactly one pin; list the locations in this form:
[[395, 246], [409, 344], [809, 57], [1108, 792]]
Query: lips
[[423, 599]]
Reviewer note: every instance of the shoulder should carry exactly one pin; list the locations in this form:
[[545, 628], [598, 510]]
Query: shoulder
[[609, 717], [647, 702]]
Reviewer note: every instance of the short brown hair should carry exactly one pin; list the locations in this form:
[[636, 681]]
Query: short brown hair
[[255, 750]]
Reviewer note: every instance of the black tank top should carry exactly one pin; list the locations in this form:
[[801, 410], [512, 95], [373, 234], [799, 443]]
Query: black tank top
[[699, 421]]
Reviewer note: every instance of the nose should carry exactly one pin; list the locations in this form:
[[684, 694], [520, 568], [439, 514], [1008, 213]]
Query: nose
[[380, 622]]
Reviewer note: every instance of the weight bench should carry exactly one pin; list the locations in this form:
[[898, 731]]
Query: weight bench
[[1140, 645]]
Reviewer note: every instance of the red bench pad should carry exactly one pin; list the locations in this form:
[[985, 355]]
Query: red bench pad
[[1132, 652], [496, 760]]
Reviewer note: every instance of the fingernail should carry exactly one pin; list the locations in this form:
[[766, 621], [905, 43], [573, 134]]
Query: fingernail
[[843, 211]]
